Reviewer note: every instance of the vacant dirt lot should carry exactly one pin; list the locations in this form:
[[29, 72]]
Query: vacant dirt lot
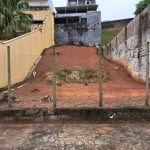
[[120, 90]]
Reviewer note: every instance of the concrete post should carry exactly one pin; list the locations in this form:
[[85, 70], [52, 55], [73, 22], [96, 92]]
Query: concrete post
[[147, 75], [100, 77], [54, 77], [9, 76]]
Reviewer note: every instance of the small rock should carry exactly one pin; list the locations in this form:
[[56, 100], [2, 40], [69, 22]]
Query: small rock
[[46, 98], [56, 53], [35, 90], [5, 98], [17, 100], [116, 68], [86, 83], [49, 77], [53, 117], [59, 83], [111, 117], [34, 73]]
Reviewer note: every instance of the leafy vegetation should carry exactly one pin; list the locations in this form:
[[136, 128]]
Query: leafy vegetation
[[13, 19], [108, 35], [141, 5], [77, 76]]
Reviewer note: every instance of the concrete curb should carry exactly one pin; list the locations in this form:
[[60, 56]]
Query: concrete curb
[[140, 114], [96, 115], [25, 114]]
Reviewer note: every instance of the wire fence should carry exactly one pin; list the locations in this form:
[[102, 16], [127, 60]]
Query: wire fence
[[14, 69], [70, 93], [77, 75]]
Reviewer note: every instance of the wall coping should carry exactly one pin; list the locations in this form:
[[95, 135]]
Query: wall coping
[[19, 37]]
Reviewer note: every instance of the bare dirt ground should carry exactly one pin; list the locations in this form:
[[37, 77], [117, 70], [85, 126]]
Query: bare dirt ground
[[119, 91]]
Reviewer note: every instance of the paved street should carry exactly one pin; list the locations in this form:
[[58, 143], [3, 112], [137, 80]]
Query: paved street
[[75, 137]]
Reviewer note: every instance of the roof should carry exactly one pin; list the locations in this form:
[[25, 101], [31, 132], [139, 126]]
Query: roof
[[76, 9]]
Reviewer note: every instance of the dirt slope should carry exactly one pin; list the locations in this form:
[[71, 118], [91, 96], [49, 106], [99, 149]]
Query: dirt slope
[[120, 90]]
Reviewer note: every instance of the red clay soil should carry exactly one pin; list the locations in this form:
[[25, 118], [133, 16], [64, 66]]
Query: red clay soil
[[119, 91]]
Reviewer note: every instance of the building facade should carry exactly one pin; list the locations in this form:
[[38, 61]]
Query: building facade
[[78, 23], [81, 2]]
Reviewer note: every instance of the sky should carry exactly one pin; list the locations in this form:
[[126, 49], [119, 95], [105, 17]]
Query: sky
[[110, 9]]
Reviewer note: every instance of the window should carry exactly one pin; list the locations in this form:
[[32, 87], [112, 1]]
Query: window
[[73, 19], [67, 20], [84, 20]]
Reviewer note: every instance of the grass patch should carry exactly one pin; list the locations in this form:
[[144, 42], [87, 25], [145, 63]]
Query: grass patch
[[77, 76], [108, 35]]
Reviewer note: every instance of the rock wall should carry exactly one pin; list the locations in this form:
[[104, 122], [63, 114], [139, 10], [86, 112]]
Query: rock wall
[[128, 48]]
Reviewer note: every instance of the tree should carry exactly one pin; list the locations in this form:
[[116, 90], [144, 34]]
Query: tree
[[13, 19], [141, 5]]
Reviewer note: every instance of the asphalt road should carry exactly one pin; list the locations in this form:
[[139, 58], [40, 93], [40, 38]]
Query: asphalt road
[[75, 136]]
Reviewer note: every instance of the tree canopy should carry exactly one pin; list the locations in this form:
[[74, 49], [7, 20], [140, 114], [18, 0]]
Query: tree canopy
[[141, 5], [13, 19]]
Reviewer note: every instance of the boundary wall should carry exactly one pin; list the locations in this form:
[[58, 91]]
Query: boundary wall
[[25, 50], [128, 48]]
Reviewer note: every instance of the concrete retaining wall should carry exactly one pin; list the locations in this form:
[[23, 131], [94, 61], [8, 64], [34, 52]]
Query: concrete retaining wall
[[77, 115], [128, 48]]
